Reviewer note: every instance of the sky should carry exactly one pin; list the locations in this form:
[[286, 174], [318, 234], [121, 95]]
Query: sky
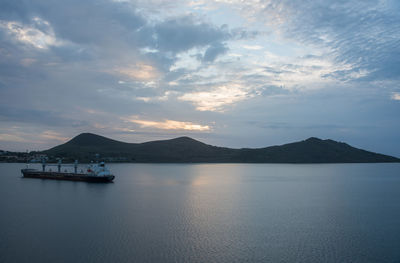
[[229, 73]]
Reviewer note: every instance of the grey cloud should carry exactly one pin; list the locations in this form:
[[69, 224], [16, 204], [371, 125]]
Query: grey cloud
[[240, 33], [287, 125], [162, 60], [365, 34], [47, 118], [78, 21], [278, 70], [181, 34], [15, 10], [175, 74], [109, 30], [269, 90], [103, 32], [214, 51], [68, 53]]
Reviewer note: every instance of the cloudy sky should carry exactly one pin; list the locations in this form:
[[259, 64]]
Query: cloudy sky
[[231, 73]]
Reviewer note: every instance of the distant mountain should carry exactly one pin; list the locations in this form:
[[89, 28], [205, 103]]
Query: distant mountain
[[184, 149]]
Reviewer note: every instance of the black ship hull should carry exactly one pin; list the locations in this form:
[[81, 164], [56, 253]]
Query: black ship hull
[[30, 173]]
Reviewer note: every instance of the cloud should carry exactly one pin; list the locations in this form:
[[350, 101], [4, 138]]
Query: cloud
[[12, 137], [169, 125], [215, 50], [25, 137], [52, 135], [109, 22], [216, 99], [253, 47], [362, 34], [163, 97], [182, 34], [32, 34], [138, 71], [42, 117], [395, 96]]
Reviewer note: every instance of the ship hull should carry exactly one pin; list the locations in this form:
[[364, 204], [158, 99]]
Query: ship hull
[[30, 173]]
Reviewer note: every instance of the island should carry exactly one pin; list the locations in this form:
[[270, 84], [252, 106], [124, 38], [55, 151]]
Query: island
[[87, 147]]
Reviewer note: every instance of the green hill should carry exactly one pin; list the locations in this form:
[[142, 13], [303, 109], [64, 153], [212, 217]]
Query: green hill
[[184, 149]]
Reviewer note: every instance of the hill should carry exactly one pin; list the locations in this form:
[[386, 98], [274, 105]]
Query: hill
[[312, 150], [184, 149]]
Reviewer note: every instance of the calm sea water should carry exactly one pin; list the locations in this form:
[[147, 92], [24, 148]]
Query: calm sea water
[[205, 213]]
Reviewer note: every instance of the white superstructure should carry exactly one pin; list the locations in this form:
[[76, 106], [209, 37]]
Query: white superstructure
[[98, 169]]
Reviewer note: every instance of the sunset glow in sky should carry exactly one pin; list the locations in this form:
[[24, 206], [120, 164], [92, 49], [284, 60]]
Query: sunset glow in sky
[[226, 72]]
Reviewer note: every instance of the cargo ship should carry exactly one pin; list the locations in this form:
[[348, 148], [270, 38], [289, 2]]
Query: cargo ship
[[97, 173]]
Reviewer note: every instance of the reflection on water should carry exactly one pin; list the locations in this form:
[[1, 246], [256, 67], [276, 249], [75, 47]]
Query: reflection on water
[[205, 213]]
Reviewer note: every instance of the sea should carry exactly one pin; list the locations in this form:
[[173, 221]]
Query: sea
[[205, 213]]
